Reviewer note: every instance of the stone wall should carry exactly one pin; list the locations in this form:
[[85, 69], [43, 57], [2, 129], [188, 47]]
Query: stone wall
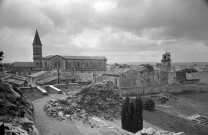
[[57, 62], [174, 88], [171, 77], [202, 76]]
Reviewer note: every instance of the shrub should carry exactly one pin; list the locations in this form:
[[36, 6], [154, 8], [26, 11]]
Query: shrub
[[148, 104]]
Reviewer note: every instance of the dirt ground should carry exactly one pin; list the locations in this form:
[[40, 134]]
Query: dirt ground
[[187, 105], [174, 123], [172, 116]]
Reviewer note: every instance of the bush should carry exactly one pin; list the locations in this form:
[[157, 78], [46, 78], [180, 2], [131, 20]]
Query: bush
[[148, 104]]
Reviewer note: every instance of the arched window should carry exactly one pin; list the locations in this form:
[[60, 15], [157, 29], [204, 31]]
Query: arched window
[[59, 64]]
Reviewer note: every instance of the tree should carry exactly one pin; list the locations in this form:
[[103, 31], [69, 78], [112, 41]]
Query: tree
[[124, 112], [137, 122], [149, 67]]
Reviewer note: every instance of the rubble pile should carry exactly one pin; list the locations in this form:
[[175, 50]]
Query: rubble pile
[[164, 98], [100, 100], [151, 131], [62, 110], [13, 106]]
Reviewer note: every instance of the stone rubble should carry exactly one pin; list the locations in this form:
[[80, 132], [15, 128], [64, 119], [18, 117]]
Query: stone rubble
[[152, 131], [100, 100]]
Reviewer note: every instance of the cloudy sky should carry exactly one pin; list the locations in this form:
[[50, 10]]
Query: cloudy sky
[[121, 30]]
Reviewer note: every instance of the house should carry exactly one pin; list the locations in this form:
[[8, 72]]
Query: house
[[35, 77], [18, 81], [115, 75], [22, 68]]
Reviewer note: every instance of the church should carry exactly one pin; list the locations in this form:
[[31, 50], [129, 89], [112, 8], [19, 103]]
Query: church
[[60, 62]]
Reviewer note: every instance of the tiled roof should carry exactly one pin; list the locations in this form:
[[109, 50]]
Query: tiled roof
[[23, 64], [116, 71], [77, 57], [46, 80], [79, 77], [37, 74], [36, 40]]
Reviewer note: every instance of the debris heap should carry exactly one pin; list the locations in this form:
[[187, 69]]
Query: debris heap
[[100, 100], [163, 98], [152, 131]]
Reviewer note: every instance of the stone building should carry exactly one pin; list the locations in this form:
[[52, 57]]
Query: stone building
[[78, 63], [166, 62], [166, 75]]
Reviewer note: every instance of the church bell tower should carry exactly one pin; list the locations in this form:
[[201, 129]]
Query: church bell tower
[[37, 51], [166, 62]]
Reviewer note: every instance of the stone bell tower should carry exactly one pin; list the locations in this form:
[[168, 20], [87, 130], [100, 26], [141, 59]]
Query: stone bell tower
[[166, 62], [37, 51]]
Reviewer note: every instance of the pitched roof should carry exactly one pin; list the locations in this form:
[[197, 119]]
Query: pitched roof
[[36, 40], [116, 71], [37, 74], [46, 80], [23, 64], [77, 57]]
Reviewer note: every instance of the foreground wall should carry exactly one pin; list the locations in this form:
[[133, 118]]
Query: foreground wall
[[174, 88]]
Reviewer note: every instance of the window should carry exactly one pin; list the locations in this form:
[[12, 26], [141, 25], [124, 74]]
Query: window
[[87, 65], [37, 64], [164, 77], [59, 64], [46, 64], [174, 77], [78, 64], [99, 64], [74, 64], [56, 64]]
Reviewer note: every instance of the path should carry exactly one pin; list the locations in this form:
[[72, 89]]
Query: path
[[50, 126]]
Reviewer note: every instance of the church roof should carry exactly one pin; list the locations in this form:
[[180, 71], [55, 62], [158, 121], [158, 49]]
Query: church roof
[[77, 57], [36, 40]]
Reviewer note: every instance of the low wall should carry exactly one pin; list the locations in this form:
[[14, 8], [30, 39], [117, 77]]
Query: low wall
[[67, 87], [173, 88]]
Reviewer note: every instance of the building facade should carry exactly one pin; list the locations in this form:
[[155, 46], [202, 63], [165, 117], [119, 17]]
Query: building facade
[[71, 63]]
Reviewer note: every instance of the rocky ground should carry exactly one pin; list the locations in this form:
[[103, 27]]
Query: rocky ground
[[16, 115]]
